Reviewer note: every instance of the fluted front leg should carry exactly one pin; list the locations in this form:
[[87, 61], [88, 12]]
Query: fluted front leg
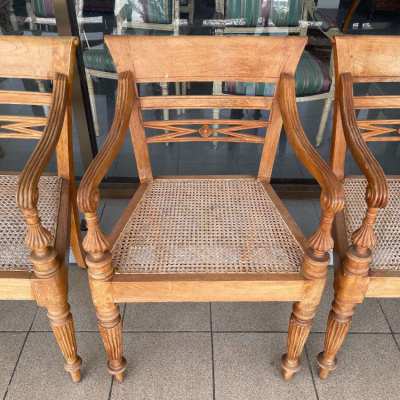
[[314, 269], [100, 272], [302, 316], [351, 284], [50, 290]]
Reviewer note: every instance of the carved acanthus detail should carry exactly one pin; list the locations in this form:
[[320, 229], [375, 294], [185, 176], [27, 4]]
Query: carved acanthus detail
[[95, 240], [37, 236], [364, 237]]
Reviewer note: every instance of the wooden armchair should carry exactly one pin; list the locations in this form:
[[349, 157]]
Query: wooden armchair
[[366, 232], [206, 238], [36, 270]]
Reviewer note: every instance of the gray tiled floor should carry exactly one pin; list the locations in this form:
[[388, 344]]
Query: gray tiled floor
[[199, 351]]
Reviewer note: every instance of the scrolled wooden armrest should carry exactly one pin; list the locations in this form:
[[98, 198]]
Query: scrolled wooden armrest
[[332, 198], [377, 190], [27, 192], [88, 189]]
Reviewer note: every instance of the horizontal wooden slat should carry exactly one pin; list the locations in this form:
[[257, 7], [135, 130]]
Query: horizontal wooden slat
[[12, 135], [205, 102], [203, 58], [385, 284], [28, 98], [15, 286], [243, 139], [240, 122], [376, 102], [207, 287]]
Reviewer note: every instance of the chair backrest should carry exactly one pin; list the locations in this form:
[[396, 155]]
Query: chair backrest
[[278, 13], [38, 58], [205, 59], [368, 59]]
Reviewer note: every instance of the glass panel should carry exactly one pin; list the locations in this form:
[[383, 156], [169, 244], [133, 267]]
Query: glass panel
[[216, 17]]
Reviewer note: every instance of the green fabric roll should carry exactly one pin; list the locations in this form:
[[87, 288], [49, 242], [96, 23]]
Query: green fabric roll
[[99, 59], [281, 12], [150, 11], [312, 77]]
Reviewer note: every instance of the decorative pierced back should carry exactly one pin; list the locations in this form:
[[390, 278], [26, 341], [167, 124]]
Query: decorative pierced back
[[38, 58], [205, 59], [367, 59], [33, 58]]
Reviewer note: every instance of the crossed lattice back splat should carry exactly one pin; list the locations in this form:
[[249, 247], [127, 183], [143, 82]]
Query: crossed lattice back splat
[[47, 56], [205, 59]]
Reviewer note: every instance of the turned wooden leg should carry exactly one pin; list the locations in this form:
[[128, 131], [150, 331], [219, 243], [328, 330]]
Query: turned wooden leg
[[303, 314], [299, 329], [314, 270], [351, 284], [100, 273], [50, 289], [110, 328], [62, 324]]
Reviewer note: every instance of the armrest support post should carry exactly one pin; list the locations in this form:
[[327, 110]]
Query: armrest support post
[[332, 191]]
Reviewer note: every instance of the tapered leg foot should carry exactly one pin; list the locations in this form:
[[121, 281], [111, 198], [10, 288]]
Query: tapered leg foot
[[111, 333], [289, 368], [74, 370], [63, 330], [117, 368], [325, 366]]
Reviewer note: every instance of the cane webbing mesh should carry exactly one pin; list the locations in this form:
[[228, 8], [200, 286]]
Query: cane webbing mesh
[[14, 255], [386, 254], [206, 226]]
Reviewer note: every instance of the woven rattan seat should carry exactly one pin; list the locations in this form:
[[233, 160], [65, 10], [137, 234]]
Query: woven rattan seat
[[206, 225], [386, 254], [14, 255]]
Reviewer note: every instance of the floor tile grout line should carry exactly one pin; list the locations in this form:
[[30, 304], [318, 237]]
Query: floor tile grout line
[[390, 326], [111, 388], [212, 352], [20, 353], [311, 372], [208, 331]]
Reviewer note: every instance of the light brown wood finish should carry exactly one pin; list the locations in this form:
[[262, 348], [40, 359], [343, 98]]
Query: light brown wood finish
[[144, 59], [205, 102], [359, 59], [47, 58]]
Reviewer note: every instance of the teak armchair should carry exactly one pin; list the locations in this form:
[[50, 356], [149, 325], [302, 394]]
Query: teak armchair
[[366, 238], [35, 270], [206, 238]]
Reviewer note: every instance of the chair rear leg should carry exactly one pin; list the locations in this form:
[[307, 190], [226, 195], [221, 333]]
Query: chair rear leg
[[351, 284]]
